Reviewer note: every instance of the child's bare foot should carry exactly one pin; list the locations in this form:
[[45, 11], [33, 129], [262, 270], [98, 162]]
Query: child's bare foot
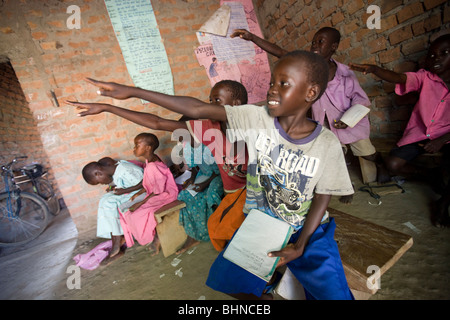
[[346, 199], [190, 242], [155, 246], [117, 242], [110, 259]]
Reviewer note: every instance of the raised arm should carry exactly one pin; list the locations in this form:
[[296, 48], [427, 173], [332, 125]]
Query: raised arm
[[189, 106], [267, 46], [384, 74], [144, 119]]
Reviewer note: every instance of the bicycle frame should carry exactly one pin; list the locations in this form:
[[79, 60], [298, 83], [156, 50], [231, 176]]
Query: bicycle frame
[[25, 178], [23, 215], [15, 192]]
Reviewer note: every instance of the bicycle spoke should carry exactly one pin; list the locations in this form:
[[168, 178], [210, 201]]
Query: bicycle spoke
[[30, 222], [23, 215]]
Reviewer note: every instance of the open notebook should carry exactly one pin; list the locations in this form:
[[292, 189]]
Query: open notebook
[[258, 235], [354, 114]]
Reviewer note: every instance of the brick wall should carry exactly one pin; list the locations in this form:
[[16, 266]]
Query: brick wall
[[400, 45], [18, 131], [47, 58]]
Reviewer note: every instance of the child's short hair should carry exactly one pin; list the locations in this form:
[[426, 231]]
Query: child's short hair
[[88, 171], [150, 139], [315, 67], [444, 37], [236, 88], [334, 33]]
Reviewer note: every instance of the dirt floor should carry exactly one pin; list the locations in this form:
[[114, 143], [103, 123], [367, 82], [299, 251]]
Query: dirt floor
[[42, 269]]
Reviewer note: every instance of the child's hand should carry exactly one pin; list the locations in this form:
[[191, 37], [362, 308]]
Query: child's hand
[[433, 146], [199, 187], [91, 108], [287, 254], [364, 68], [119, 191], [188, 182], [111, 89], [339, 125], [242, 33]]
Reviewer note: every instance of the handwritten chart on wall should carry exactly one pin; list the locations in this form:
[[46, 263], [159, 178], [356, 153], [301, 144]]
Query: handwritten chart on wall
[[138, 35], [234, 58]]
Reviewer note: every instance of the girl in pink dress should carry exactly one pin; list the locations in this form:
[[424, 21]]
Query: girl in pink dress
[[138, 221]]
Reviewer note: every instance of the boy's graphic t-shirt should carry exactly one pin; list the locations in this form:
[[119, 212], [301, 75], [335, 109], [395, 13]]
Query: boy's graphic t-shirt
[[284, 173]]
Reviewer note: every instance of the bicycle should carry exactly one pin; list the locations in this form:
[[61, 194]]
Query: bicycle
[[35, 174], [23, 215]]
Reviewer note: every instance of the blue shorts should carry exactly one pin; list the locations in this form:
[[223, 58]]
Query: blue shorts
[[319, 270]]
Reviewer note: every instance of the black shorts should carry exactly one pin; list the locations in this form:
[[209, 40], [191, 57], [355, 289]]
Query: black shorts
[[410, 151]]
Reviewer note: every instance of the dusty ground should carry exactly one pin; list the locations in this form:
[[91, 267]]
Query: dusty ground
[[39, 270]]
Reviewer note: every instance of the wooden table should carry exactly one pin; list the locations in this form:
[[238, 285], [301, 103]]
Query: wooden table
[[366, 247]]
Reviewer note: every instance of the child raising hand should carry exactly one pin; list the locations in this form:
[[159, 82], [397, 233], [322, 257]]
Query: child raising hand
[[428, 129]]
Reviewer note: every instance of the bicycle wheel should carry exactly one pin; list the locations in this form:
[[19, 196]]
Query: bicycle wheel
[[45, 190], [22, 218]]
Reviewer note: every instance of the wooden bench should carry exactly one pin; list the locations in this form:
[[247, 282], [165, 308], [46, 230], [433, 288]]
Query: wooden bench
[[367, 251], [170, 232]]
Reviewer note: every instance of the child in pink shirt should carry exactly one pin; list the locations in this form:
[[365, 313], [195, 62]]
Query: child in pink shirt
[[428, 129]]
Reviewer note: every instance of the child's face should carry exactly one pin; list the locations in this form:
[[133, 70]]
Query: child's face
[[221, 95], [100, 178], [289, 90], [140, 147], [438, 58], [323, 44]]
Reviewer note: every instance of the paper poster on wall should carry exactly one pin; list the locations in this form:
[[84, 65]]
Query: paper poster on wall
[[216, 70], [218, 23], [250, 65], [232, 49], [138, 35]]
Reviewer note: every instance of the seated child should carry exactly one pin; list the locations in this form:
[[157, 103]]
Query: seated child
[[204, 195], [124, 180], [343, 91], [305, 162], [428, 129], [158, 184], [231, 158]]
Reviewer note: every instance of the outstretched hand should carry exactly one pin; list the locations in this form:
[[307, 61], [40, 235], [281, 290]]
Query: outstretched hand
[[90, 108], [111, 89], [241, 33]]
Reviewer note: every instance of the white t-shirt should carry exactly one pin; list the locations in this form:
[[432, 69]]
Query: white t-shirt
[[284, 173]]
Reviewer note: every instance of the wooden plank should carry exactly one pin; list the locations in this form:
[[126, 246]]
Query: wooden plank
[[368, 170], [363, 244], [171, 233], [166, 209]]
